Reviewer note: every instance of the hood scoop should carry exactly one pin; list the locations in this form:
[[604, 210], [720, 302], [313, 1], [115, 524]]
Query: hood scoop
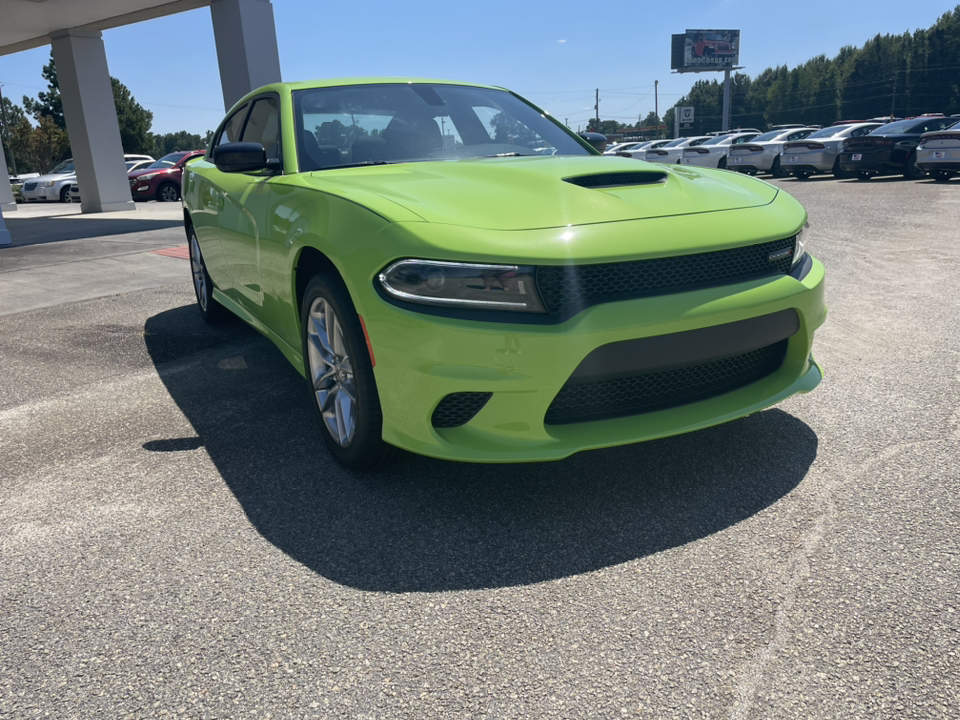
[[618, 179]]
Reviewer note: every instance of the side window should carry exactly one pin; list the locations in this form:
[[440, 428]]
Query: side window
[[860, 132], [231, 128], [263, 126]]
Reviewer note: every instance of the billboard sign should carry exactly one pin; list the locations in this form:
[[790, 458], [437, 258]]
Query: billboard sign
[[685, 116], [699, 50]]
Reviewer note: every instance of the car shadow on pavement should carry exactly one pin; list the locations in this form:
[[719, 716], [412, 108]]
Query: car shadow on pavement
[[41, 230], [428, 525]]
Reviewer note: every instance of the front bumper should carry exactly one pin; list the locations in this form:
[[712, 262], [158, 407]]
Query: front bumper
[[39, 194], [421, 359]]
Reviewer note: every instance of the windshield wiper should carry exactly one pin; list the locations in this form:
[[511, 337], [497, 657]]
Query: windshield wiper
[[359, 164], [509, 154]]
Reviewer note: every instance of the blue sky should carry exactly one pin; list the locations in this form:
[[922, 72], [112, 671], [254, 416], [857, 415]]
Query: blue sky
[[554, 53]]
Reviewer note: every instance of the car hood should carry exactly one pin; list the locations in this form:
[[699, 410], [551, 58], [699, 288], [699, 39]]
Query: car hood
[[143, 171], [53, 176], [537, 192]]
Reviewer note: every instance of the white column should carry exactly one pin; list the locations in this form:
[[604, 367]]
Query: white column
[[6, 199], [91, 121], [7, 203], [247, 52]]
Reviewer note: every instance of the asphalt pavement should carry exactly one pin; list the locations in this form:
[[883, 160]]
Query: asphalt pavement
[[176, 542]]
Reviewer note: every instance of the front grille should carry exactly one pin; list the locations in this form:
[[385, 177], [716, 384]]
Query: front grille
[[30, 186], [458, 408], [566, 289], [621, 397]]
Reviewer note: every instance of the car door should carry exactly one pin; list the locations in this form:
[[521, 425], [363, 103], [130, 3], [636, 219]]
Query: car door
[[248, 199], [203, 195]]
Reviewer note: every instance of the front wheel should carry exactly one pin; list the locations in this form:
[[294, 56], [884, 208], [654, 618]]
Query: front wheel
[[168, 192], [213, 312], [339, 375], [65, 194]]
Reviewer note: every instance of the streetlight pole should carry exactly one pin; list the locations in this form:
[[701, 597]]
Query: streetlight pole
[[6, 132]]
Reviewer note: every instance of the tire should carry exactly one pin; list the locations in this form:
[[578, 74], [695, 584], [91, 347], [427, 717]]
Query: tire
[[339, 376], [776, 170], [168, 192], [912, 171], [213, 312], [863, 175], [838, 172], [65, 194]]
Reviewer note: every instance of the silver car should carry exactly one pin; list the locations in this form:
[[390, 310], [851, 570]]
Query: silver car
[[638, 153], [671, 152], [55, 185], [939, 153], [819, 152], [762, 154], [713, 152]]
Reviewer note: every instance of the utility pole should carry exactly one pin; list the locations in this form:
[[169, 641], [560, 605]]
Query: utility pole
[[893, 100], [6, 132], [656, 103], [596, 110]]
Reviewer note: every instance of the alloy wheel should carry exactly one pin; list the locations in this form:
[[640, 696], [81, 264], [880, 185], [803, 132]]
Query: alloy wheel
[[331, 373], [199, 276]]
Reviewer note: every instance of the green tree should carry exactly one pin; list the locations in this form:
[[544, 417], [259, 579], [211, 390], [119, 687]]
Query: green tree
[[174, 142], [651, 119], [48, 104], [41, 147], [14, 116], [134, 121]]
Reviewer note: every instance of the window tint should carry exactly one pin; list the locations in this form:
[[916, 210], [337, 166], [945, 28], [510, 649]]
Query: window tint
[[860, 132], [263, 126], [231, 129]]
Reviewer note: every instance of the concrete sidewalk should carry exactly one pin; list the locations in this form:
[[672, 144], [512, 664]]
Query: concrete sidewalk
[[59, 255]]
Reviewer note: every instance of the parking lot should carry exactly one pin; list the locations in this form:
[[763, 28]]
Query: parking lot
[[176, 542]]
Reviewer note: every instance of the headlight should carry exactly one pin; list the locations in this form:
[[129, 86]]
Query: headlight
[[148, 176], [46, 183], [462, 285], [800, 244]]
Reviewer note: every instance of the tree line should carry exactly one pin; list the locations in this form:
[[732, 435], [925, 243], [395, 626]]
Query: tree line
[[891, 75], [39, 147]]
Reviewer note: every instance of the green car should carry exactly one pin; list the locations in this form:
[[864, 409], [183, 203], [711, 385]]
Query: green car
[[457, 274]]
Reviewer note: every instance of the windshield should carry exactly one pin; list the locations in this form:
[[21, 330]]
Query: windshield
[[900, 126], [374, 124], [674, 143], [65, 167], [772, 135], [828, 132], [167, 161], [716, 140]]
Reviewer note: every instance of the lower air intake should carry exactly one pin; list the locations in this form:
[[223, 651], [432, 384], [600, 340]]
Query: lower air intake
[[624, 396], [459, 408]]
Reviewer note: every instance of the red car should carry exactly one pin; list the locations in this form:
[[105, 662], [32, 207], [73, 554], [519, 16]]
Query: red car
[[160, 181], [711, 45]]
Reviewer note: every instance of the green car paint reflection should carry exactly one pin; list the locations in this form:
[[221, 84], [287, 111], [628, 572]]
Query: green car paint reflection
[[458, 275]]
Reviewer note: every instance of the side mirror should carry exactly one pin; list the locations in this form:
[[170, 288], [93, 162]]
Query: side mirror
[[598, 141], [239, 157]]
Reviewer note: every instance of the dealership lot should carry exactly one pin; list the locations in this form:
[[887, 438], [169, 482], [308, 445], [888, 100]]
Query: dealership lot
[[176, 541]]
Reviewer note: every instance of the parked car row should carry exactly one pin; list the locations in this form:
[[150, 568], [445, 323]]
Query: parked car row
[[914, 147], [149, 179]]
